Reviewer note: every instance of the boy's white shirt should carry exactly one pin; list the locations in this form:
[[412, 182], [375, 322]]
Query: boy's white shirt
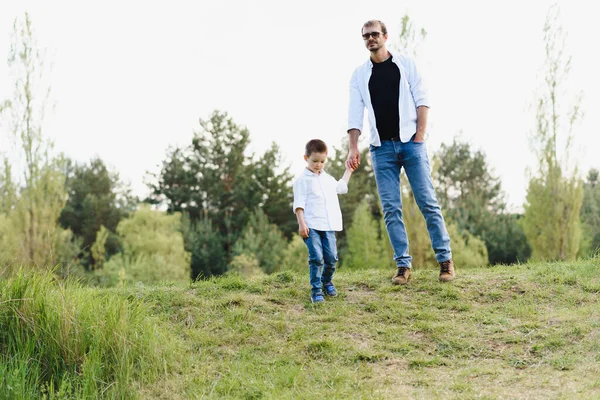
[[317, 195], [412, 94]]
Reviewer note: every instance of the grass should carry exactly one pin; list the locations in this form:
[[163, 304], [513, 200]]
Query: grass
[[528, 331], [59, 340]]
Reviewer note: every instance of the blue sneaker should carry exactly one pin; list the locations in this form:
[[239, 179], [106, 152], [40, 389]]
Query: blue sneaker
[[317, 297], [330, 290]]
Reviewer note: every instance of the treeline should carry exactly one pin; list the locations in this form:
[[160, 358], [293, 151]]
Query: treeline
[[215, 207]]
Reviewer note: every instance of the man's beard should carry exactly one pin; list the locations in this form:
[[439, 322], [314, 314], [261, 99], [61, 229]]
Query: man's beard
[[374, 49]]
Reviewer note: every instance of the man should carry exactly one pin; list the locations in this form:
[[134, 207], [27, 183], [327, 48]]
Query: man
[[390, 87]]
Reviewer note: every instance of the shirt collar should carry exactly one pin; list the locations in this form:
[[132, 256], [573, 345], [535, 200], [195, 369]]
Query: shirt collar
[[310, 173], [393, 57]]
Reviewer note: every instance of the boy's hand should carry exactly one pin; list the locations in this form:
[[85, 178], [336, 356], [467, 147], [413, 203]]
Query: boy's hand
[[303, 230]]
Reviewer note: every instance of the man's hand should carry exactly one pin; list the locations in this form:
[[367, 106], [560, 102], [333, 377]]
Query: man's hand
[[353, 160], [303, 230], [419, 137]]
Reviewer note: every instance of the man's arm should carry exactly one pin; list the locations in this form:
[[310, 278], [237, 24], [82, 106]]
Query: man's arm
[[356, 112], [422, 113], [302, 227], [353, 160]]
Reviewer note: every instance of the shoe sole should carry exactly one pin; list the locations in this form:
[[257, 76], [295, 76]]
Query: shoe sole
[[394, 282]]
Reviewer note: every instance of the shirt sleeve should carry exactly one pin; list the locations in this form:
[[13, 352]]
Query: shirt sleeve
[[356, 107], [299, 195], [417, 85], [341, 187]]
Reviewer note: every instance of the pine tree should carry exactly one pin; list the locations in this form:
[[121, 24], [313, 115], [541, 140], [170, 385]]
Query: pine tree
[[365, 248], [262, 240]]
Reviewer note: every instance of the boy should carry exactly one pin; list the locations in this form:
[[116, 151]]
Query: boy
[[319, 215]]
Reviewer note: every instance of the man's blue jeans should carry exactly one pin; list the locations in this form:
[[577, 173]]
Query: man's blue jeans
[[322, 257], [388, 159]]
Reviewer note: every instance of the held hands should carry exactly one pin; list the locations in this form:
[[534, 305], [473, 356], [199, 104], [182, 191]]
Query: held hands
[[303, 230], [353, 160]]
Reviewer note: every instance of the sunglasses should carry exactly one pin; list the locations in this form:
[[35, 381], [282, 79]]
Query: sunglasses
[[375, 35]]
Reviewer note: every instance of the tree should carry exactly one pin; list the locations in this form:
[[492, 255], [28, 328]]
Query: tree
[[416, 229], [365, 247], [262, 241], [273, 186], [467, 250], [471, 196], [33, 206], [99, 247], [153, 250], [590, 211], [295, 257], [215, 179], [410, 38], [554, 197], [205, 244], [362, 187], [96, 198]]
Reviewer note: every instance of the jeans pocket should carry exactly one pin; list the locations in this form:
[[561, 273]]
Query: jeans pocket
[[412, 139]]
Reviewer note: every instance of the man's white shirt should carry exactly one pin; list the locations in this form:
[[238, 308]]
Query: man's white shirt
[[317, 195], [412, 94]]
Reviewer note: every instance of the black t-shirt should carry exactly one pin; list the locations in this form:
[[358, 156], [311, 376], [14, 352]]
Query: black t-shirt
[[384, 87]]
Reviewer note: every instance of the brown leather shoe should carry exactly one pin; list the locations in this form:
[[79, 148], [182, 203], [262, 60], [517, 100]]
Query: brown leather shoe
[[401, 277], [447, 271]]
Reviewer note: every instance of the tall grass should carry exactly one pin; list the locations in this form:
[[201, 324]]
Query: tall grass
[[60, 340]]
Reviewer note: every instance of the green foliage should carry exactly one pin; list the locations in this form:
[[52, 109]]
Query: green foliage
[[554, 198], [99, 247], [262, 241], [205, 244], [361, 187], [295, 257], [365, 247], [215, 179], [153, 249], [60, 340], [505, 239], [552, 223], [246, 265], [35, 216], [590, 211], [8, 188], [273, 189], [465, 185], [96, 198], [471, 196], [9, 250], [416, 229], [467, 250], [410, 38], [32, 208]]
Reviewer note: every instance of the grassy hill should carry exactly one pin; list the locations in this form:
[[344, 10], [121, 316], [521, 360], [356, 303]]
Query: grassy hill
[[528, 331]]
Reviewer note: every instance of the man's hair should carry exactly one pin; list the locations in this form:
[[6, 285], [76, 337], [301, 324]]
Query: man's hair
[[315, 146], [372, 22]]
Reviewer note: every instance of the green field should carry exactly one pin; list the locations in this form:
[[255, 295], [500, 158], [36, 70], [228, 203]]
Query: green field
[[518, 332]]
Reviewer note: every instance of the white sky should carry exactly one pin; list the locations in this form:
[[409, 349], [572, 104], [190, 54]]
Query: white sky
[[131, 78]]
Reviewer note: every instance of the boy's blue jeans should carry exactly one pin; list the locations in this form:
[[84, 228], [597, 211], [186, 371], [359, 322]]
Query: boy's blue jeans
[[322, 257], [388, 159]]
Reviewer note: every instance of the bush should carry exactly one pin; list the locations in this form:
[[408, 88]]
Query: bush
[[296, 256], [245, 265], [153, 250]]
